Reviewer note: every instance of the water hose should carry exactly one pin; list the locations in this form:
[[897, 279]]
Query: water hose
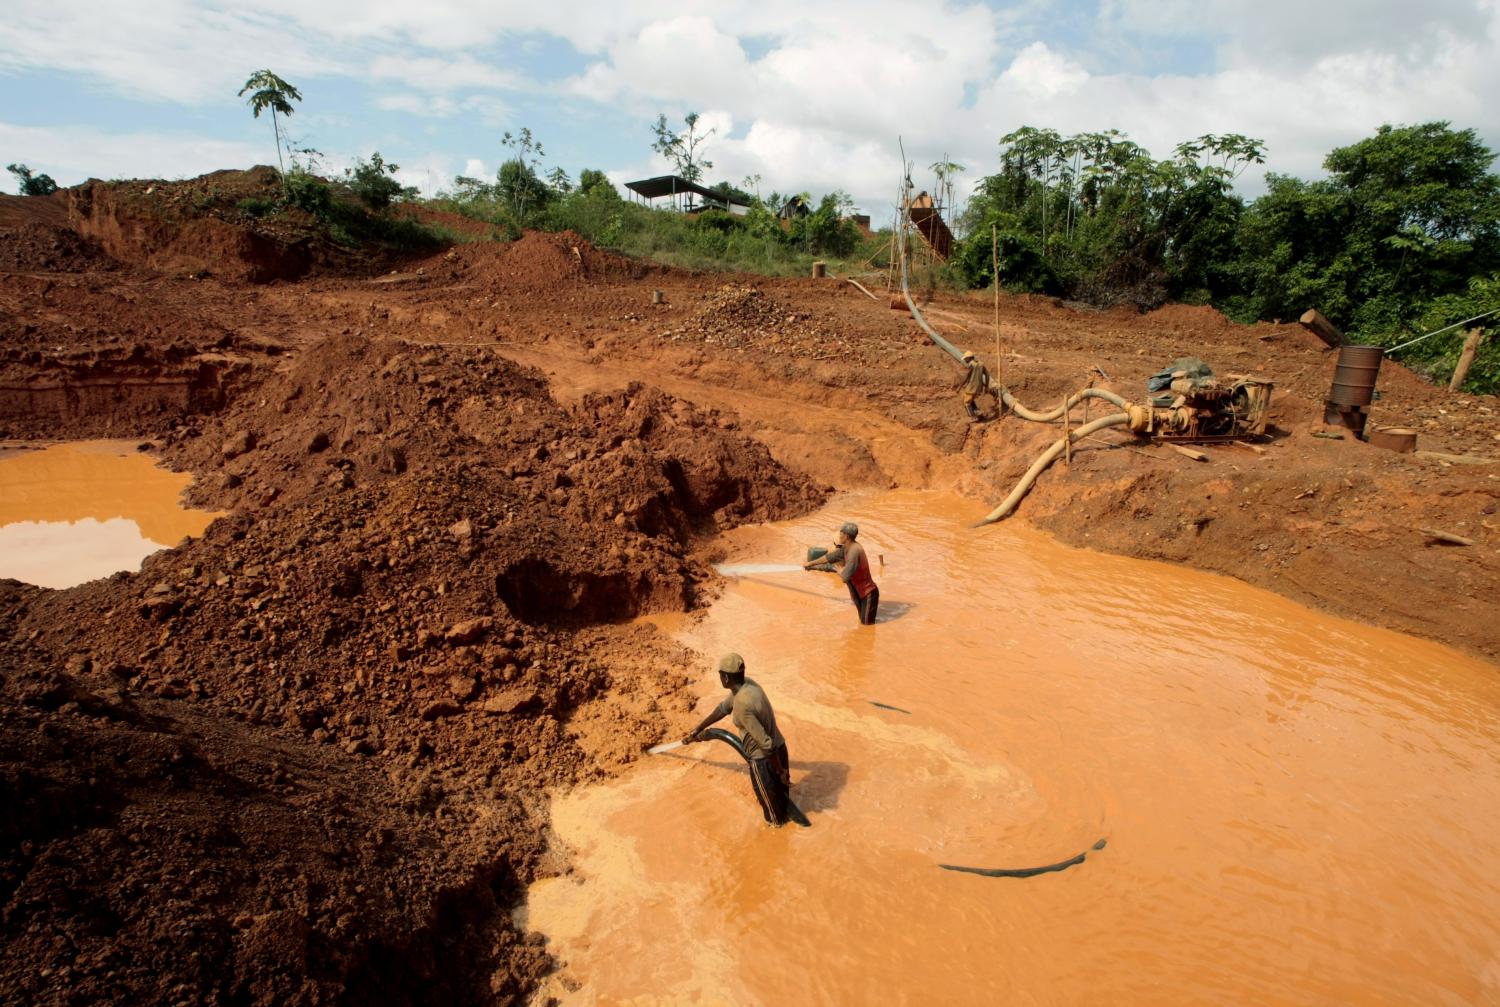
[[1047, 458], [939, 341], [1024, 872], [732, 740], [1006, 397], [1056, 412]]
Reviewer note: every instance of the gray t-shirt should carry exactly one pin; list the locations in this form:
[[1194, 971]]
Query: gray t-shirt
[[753, 715]]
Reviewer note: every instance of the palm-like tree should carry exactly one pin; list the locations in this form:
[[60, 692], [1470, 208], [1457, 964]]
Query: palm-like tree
[[269, 91]]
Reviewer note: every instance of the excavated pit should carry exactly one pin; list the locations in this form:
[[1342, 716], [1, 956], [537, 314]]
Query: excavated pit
[[315, 746], [409, 622]]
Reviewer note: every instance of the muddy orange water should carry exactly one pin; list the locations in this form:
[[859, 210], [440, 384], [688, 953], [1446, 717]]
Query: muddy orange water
[[1299, 809], [71, 513]]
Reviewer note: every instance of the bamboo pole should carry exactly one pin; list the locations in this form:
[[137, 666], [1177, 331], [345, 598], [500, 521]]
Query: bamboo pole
[[995, 253], [1466, 359], [1067, 436]]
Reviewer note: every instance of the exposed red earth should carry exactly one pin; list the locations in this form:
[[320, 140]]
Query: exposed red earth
[[304, 758]]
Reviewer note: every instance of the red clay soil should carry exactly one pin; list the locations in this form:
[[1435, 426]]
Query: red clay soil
[[304, 758]]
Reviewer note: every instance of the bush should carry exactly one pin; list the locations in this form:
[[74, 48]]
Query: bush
[[374, 184], [32, 184], [308, 192], [256, 206]]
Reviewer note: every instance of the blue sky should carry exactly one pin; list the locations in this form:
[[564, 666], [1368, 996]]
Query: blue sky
[[809, 97]]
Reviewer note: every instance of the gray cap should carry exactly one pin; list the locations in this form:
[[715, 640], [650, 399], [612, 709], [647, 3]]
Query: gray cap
[[850, 528], [732, 664]]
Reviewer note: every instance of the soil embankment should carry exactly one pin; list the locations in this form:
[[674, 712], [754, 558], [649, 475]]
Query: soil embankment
[[312, 744]]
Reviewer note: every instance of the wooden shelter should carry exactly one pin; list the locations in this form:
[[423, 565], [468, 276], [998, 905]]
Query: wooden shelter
[[678, 188]]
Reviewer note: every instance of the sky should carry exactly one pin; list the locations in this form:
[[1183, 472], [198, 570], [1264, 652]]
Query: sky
[[809, 97]]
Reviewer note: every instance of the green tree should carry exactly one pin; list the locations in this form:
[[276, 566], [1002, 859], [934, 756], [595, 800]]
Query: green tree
[[374, 183], [31, 184], [1406, 216], [518, 181], [558, 179], [826, 229], [682, 148], [268, 91], [946, 171], [596, 185]]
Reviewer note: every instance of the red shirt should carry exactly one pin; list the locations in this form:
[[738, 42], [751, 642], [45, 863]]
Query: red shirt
[[856, 570]]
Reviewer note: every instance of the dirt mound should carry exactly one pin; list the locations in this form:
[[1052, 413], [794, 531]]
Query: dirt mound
[[1188, 317], [197, 226], [46, 248], [456, 223], [541, 261], [159, 852], [408, 624], [18, 211], [739, 316]]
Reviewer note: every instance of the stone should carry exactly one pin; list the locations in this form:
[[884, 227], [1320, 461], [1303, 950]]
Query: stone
[[461, 687], [469, 630], [508, 701], [439, 708], [238, 443], [462, 529]]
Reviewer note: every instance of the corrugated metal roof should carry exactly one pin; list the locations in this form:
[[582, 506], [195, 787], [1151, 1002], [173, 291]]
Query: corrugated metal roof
[[667, 185]]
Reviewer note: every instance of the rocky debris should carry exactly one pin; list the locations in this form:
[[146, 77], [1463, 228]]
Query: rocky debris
[[740, 317], [46, 248], [353, 621]]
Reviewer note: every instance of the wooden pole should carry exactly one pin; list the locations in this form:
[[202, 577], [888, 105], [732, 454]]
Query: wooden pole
[[1314, 322], [1067, 434], [995, 252], [1466, 359]]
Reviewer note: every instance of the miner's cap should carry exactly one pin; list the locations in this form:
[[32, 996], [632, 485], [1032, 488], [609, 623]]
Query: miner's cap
[[732, 664]]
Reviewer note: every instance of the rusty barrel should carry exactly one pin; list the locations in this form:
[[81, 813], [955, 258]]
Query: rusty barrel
[[1354, 377]]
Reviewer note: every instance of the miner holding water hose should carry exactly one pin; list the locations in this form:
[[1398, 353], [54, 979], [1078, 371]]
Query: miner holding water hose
[[855, 571], [763, 746]]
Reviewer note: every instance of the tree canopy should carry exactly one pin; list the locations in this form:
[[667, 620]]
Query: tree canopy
[[1406, 221]]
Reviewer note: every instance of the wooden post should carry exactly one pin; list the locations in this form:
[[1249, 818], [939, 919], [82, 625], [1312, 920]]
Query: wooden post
[[1067, 434], [820, 269], [1321, 327], [1466, 359], [657, 297], [995, 252]]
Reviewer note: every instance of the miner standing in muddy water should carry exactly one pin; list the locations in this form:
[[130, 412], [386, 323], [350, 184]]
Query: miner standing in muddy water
[[855, 572], [765, 748], [976, 382]]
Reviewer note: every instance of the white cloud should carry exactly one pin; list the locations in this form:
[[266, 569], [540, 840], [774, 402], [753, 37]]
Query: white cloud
[[443, 74], [818, 93], [440, 106], [1042, 73], [71, 154]]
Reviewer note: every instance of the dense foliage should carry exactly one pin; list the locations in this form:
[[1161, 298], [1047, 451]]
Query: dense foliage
[[31, 183], [1402, 237], [757, 241]]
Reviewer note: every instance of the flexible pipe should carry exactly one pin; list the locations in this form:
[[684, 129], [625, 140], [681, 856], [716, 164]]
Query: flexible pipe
[[943, 344], [1016, 407], [1056, 412], [1047, 458]]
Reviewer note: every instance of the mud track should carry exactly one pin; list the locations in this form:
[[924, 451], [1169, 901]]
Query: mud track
[[302, 759]]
